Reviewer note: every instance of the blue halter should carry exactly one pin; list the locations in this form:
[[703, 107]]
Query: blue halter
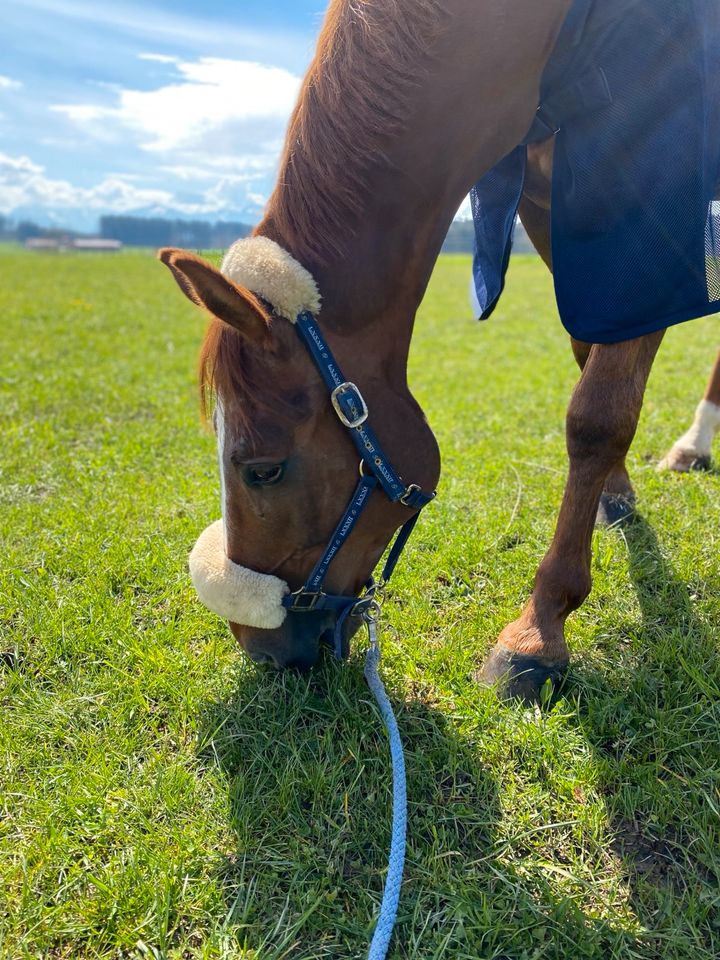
[[352, 412]]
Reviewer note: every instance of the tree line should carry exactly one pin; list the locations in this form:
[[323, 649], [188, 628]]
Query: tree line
[[203, 235], [137, 232], [161, 232]]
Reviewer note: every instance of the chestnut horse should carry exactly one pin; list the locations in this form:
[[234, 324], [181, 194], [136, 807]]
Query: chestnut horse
[[383, 146]]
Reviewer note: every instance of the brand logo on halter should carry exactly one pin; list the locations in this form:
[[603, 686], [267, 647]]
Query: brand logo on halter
[[381, 468], [361, 498], [316, 338], [331, 553]]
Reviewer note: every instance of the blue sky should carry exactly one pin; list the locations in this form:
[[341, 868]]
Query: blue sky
[[147, 107]]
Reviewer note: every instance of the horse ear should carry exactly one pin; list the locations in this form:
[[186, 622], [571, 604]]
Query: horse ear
[[208, 288]]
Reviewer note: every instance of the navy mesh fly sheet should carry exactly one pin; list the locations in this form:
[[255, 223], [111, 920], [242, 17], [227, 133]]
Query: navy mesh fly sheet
[[632, 91]]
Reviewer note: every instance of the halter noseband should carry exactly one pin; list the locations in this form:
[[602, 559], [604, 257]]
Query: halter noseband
[[352, 411]]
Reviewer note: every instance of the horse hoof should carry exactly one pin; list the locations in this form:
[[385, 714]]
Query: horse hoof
[[518, 676], [683, 461], [614, 509]]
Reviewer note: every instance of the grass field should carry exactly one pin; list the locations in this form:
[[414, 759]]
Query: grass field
[[161, 797]]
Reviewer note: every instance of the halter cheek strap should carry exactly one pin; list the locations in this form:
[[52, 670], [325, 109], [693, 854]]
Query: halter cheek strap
[[376, 471]]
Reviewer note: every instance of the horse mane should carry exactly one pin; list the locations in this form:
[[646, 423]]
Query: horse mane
[[371, 56]]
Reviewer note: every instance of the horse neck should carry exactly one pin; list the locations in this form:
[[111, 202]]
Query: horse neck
[[473, 102], [370, 293]]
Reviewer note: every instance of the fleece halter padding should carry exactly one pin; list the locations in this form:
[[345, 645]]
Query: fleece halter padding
[[262, 266], [233, 592]]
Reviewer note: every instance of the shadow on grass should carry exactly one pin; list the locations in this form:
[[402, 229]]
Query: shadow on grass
[[650, 717], [309, 783]]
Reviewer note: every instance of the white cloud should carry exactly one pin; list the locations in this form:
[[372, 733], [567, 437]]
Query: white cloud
[[157, 57], [465, 211], [213, 98], [212, 139], [151, 23], [259, 199], [23, 184], [81, 113], [239, 168], [215, 131], [7, 83]]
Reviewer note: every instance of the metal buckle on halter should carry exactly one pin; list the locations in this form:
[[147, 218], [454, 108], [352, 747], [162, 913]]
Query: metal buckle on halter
[[412, 489], [355, 395], [305, 600]]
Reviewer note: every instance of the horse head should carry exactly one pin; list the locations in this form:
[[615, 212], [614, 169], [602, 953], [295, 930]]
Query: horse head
[[288, 466]]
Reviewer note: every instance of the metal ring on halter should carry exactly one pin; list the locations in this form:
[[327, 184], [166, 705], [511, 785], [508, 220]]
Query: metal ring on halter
[[368, 606], [376, 592], [371, 613]]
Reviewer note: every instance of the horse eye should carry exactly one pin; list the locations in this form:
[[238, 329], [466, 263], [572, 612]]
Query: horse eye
[[265, 474]]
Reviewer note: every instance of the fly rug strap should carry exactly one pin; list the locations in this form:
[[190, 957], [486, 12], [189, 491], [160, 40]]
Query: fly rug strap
[[254, 599]]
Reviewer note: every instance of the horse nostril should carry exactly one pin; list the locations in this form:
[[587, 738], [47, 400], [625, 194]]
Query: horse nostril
[[263, 658]]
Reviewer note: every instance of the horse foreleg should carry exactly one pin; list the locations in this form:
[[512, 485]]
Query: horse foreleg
[[601, 423], [692, 450], [617, 500]]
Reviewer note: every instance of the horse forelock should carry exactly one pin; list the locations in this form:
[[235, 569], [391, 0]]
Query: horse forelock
[[239, 376], [223, 371], [371, 56]]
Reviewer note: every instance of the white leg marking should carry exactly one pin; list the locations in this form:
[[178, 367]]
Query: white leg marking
[[698, 439]]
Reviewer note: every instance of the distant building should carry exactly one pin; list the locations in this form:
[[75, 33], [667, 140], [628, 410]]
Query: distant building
[[43, 243], [162, 232], [96, 244], [85, 244]]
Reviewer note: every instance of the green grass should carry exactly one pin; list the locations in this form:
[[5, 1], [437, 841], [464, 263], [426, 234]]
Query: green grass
[[161, 797]]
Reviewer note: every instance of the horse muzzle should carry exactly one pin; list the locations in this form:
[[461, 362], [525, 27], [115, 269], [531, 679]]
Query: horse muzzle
[[252, 602], [298, 643]]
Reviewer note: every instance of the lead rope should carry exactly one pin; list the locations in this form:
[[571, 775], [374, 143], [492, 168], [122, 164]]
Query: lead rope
[[396, 861]]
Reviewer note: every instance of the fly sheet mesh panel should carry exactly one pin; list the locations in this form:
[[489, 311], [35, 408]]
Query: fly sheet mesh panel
[[632, 94]]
